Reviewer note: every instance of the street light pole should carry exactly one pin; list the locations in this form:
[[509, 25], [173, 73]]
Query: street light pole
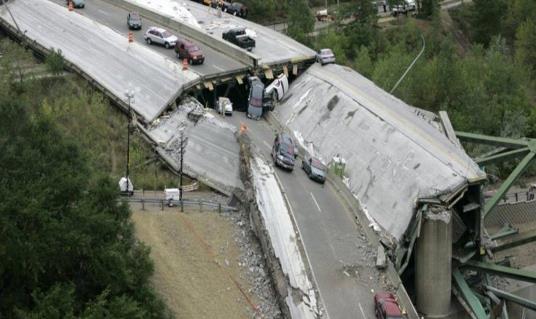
[[183, 141], [130, 96]]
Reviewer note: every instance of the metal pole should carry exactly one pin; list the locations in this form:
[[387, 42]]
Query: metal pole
[[129, 96], [128, 142], [182, 160], [410, 66]]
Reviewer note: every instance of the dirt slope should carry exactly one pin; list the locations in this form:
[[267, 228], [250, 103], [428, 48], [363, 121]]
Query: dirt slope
[[197, 269]]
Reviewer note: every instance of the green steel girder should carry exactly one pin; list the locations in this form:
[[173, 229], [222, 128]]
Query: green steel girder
[[516, 240], [492, 140], [469, 296], [495, 151], [517, 274], [513, 298], [506, 231], [505, 186], [503, 156], [513, 148]]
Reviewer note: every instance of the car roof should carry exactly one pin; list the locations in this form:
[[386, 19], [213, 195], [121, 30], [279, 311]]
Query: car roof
[[186, 42], [389, 303], [316, 162], [286, 138], [134, 13], [157, 29], [391, 307]]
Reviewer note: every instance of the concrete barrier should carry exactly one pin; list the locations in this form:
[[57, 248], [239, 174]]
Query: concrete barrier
[[196, 34]]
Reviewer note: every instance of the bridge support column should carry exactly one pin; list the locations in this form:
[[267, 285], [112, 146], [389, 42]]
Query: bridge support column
[[433, 267]]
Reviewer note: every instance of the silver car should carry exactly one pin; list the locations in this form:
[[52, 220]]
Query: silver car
[[325, 56], [314, 168], [160, 36]]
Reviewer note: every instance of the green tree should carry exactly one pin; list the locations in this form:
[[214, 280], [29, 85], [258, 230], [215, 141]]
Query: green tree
[[518, 12], [65, 239], [300, 20], [363, 63], [55, 62], [428, 8], [486, 18], [525, 44]]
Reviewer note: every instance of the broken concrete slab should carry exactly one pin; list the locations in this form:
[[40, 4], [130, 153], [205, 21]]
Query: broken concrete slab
[[395, 154], [212, 152]]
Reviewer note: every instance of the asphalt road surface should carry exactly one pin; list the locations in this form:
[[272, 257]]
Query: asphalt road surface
[[116, 19], [335, 245]]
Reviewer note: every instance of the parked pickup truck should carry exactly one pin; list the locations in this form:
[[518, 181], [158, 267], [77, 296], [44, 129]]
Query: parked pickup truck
[[239, 37]]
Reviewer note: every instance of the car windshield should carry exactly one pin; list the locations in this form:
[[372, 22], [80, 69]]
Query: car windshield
[[166, 34], [326, 52], [193, 48], [287, 149], [318, 165]]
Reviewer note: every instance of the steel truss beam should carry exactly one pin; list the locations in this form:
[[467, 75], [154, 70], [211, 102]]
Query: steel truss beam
[[517, 274], [513, 298], [515, 240], [513, 148], [469, 296]]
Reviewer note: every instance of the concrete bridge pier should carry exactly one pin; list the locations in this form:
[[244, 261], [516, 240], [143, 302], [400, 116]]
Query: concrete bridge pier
[[433, 264]]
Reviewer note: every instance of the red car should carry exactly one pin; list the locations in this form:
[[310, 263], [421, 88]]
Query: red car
[[386, 306], [188, 50]]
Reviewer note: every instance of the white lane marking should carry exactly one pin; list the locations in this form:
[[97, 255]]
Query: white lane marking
[[104, 13], [314, 199], [362, 311], [301, 240], [217, 67]]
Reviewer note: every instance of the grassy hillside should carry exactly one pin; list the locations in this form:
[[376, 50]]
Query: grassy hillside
[[85, 115]]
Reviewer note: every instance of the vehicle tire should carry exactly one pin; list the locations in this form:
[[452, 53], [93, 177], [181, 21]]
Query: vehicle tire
[[166, 45], [148, 40]]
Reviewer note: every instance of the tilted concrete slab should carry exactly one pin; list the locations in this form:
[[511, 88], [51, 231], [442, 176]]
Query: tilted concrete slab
[[103, 55], [212, 152], [272, 47], [395, 155], [302, 302]]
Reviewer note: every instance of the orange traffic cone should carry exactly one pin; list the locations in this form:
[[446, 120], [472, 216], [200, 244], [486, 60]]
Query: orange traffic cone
[[243, 128], [184, 64], [130, 37], [71, 7]]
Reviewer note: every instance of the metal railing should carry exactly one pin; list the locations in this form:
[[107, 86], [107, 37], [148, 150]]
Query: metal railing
[[523, 196], [192, 203]]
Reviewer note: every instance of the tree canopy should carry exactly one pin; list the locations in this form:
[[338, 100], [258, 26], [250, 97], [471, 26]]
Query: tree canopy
[[66, 243]]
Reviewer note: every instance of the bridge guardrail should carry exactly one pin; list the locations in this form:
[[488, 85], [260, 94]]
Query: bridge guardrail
[[184, 203], [199, 35]]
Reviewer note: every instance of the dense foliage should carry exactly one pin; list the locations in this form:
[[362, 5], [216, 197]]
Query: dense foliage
[[67, 248]]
